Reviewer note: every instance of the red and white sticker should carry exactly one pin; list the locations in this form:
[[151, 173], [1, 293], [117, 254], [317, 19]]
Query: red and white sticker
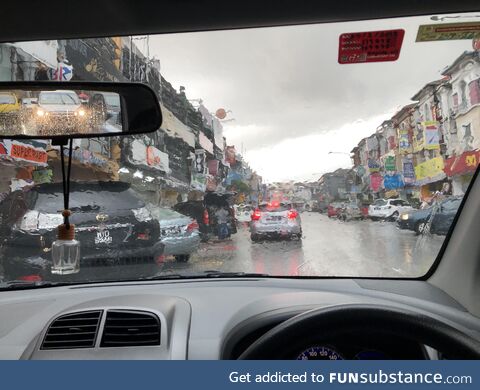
[[370, 46]]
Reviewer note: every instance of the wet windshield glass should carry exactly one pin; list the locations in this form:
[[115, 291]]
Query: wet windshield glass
[[7, 99], [341, 149]]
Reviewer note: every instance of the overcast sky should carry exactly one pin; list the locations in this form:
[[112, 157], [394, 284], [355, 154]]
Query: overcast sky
[[291, 100]]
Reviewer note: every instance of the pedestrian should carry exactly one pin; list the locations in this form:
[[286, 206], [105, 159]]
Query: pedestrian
[[222, 218]]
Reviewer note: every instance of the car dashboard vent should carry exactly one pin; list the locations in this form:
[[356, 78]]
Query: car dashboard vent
[[78, 330], [125, 328]]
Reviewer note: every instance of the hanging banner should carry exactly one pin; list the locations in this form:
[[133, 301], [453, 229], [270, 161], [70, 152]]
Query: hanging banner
[[199, 182], [375, 182], [418, 139], [392, 182], [408, 171], [373, 165], [389, 163], [213, 167], [430, 171], [403, 141], [432, 135], [467, 162]]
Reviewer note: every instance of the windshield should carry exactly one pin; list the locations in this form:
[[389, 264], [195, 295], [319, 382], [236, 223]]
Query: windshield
[[58, 98], [7, 99], [340, 149]]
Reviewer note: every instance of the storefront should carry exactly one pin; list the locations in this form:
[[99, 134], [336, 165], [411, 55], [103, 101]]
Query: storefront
[[461, 169]]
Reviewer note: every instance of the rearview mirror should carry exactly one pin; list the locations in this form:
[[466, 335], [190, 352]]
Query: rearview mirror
[[76, 109]]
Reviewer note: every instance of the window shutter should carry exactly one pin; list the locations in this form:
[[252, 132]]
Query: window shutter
[[455, 100], [474, 88]]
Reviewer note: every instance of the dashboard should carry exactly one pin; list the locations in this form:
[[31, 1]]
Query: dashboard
[[208, 319]]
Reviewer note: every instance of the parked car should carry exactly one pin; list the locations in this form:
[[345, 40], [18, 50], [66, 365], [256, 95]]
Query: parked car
[[179, 233], [388, 209], [333, 209], [106, 107], [350, 211], [275, 220], [60, 110], [118, 236], [418, 220]]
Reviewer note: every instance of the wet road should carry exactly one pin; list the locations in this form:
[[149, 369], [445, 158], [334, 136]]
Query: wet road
[[329, 248]]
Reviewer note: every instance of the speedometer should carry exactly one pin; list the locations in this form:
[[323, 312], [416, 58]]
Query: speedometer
[[319, 353]]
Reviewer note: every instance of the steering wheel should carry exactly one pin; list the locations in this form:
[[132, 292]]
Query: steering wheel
[[334, 322]]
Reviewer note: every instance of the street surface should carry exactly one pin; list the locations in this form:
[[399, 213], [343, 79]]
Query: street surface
[[329, 248]]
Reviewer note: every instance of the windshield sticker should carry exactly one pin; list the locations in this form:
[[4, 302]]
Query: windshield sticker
[[448, 31], [372, 46]]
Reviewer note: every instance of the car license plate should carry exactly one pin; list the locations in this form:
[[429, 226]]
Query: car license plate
[[103, 237], [274, 218], [377, 208]]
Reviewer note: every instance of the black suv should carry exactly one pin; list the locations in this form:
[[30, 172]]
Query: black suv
[[118, 237]]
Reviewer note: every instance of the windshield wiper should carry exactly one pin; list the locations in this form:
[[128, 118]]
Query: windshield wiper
[[220, 274], [25, 284], [207, 274]]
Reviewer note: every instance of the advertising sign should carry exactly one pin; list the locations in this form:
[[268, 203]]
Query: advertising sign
[[465, 163], [149, 156], [432, 136], [375, 181], [392, 182], [403, 141], [429, 171], [389, 163], [408, 171]]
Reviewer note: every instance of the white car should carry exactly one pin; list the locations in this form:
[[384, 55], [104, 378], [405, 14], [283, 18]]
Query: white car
[[388, 208]]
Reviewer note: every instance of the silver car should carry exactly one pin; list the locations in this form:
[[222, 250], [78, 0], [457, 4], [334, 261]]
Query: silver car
[[179, 233], [275, 220]]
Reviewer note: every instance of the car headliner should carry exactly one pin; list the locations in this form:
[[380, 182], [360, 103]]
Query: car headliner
[[35, 20]]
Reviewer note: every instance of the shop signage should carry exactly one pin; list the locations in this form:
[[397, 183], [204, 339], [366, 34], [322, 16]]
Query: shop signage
[[213, 167], [230, 155], [149, 156], [465, 163], [429, 171], [30, 151]]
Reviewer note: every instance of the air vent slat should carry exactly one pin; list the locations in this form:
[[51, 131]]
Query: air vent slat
[[77, 330], [130, 328]]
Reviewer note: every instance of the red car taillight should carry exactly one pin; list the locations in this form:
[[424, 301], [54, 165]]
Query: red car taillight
[[192, 226], [206, 217], [256, 215], [31, 278], [292, 214], [144, 236]]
